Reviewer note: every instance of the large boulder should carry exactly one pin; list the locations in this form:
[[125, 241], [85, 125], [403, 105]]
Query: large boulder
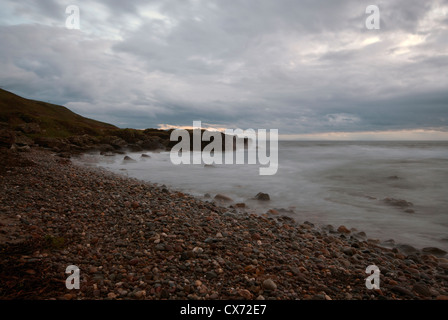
[[128, 159], [222, 197], [262, 196], [407, 249], [434, 251]]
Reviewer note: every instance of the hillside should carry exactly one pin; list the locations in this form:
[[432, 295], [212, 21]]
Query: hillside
[[26, 123], [53, 120]]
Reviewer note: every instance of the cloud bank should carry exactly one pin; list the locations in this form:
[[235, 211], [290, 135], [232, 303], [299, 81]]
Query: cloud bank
[[304, 67]]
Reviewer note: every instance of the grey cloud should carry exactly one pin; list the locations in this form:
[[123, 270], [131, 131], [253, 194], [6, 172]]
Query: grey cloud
[[299, 66]]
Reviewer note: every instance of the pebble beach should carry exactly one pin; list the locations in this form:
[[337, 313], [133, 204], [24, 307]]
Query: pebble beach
[[136, 240]]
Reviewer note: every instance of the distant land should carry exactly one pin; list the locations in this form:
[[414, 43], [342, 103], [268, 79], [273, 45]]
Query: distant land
[[26, 123]]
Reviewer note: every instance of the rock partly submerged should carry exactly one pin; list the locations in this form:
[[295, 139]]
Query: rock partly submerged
[[222, 197], [398, 202], [262, 196], [434, 251], [128, 159], [407, 249]]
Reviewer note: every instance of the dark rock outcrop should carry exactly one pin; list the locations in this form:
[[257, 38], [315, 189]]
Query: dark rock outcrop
[[128, 159], [398, 202], [262, 196]]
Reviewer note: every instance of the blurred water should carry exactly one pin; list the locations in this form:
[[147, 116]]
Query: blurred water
[[338, 183]]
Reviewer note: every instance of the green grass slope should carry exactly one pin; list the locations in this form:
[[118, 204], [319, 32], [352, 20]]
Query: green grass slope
[[54, 120]]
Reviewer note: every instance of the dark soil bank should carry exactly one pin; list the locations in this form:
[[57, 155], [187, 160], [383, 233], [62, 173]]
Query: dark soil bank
[[134, 240]]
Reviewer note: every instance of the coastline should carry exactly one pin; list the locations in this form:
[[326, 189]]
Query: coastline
[[136, 240]]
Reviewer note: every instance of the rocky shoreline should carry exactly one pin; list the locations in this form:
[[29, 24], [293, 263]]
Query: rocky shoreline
[[136, 240]]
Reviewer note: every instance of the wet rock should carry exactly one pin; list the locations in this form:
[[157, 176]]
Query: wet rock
[[343, 229], [397, 202], [360, 235], [407, 249], [388, 243], [128, 159], [434, 251], [222, 197], [262, 196]]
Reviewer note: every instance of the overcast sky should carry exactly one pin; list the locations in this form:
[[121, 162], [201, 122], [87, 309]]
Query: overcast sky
[[303, 67]]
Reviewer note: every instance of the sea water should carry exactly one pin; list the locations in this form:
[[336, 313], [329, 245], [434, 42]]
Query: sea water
[[337, 183]]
